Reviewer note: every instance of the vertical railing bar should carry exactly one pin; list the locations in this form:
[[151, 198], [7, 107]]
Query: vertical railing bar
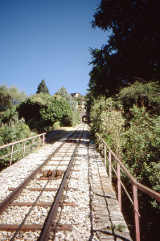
[[110, 166], [43, 139], [119, 186], [24, 149], [31, 144], [135, 187], [12, 147], [105, 159], [136, 210]]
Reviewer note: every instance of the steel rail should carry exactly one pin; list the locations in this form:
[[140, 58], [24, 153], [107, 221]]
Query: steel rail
[[16, 192], [51, 218], [4, 204], [21, 226]]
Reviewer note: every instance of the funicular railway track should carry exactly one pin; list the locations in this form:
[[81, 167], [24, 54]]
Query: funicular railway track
[[37, 218]]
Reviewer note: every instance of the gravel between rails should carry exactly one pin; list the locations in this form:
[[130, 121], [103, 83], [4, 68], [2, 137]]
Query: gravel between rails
[[78, 193]]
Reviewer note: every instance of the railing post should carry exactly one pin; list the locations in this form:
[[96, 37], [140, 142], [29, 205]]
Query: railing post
[[110, 166], [12, 147], [39, 141], [31, 146], [24, 148], [119, 185], [105, 161], [43, 140], [136, 212]]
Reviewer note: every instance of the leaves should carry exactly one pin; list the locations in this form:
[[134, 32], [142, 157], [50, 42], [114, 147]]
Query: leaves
[[42, 88], [41, 111]]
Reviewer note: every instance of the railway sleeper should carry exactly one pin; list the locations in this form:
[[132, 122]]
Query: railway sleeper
[[33, 227], [43, 189], [41, 204]]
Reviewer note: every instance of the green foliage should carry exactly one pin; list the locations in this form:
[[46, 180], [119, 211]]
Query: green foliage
[[41, 111], [73, 103], [134, 35], [10, 96], [16, 96], [5, 98], [57, 110], [132, 51], [14, 132], [9, 116], [56, 125], [130, 124], [141, 94], [42, 88], [108, 121], [104, 79], [62, 92]]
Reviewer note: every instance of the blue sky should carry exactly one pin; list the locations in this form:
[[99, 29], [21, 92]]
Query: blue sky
[[50, 40]]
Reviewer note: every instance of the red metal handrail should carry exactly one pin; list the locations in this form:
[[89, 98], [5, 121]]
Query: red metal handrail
[[23, 140], [135, 185], [12, 144]]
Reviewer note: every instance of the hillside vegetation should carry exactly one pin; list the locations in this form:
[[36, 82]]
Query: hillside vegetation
[[22, 116], [130, 123], [124, 96]]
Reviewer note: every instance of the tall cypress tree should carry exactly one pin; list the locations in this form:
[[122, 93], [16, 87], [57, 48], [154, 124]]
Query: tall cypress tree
[[42, 88]]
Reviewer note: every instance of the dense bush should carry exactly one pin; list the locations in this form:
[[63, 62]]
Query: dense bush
[[9, 134], [132, 129], [9, 116], [73, 103], [9, 97], [108, 121], [57, 110], [130, 124], [41, 111], [140, 94], [14, 132]]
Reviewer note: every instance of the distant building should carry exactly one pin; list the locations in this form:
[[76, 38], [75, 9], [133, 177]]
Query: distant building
[[76, 95]]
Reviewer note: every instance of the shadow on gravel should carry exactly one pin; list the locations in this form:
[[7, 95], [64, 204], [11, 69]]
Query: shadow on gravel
[[55, 135]]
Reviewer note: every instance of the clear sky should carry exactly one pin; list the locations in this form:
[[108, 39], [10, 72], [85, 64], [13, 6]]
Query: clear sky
[[50, 40]]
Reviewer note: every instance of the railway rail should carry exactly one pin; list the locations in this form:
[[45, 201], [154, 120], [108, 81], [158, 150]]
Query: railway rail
[[37, 217]]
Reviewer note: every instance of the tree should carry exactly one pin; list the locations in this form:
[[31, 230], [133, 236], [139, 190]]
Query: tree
[[42, 88], [135, 35], [41, 111], [62, 92], [10, 96], [16, 95], [5, 98], [105, 76]]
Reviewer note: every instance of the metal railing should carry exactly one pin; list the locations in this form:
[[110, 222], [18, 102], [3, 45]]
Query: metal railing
[[135, 185], [20, 148]]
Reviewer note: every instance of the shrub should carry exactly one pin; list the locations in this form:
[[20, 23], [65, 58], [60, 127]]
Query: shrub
[[41, 111], [9, 134], [108, 121], [10, 116], [15, 132]]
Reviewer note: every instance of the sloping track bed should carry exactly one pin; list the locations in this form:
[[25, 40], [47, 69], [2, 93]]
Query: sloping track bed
[[30, 211]]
